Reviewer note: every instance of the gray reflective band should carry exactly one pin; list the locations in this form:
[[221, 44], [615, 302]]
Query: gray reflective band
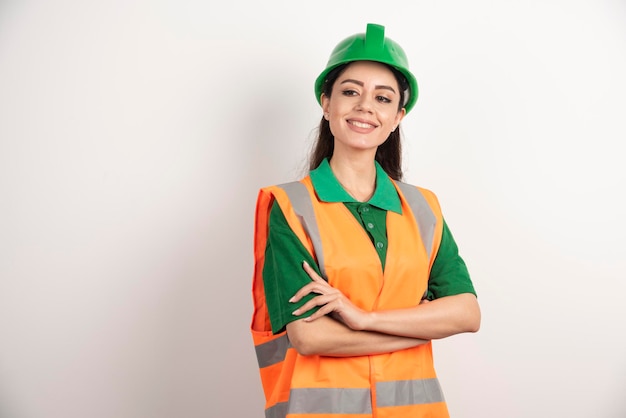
[[277, 411], [408, 392], [330, 401], [424, 216], [301, 203], [272, 352], [358, 401]]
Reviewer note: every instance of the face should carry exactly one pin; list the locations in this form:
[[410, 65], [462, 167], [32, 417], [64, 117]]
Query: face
[[362, 109]]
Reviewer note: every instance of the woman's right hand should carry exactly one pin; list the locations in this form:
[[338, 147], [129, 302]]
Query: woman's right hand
[[331, 301]]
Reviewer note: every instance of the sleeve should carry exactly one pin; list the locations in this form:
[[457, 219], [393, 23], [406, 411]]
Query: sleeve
[[449, 275], [283, 274]]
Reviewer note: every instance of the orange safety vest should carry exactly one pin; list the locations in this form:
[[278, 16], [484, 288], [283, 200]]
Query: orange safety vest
[[398, 384]]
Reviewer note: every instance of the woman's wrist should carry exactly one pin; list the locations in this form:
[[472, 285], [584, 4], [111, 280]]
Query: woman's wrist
[[368, 321]]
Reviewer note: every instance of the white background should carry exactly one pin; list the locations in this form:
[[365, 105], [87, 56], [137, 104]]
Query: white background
[[135, 134]]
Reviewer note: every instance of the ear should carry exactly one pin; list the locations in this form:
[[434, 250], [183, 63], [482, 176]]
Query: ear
[[325, 105], [399, 117]]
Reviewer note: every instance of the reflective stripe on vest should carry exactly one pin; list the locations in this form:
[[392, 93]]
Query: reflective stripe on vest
[[330, 401], [402, 392], [301, 202], [357, 401], [423, 214], [277, 411], [273, 351]]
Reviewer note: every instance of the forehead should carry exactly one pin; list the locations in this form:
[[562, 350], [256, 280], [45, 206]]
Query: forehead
[[369, 70]]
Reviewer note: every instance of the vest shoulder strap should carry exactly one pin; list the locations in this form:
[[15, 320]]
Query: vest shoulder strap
[[303, 207], [423, 213]]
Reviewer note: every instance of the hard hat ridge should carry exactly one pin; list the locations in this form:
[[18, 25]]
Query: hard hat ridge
[[374, 37], [370, 46]]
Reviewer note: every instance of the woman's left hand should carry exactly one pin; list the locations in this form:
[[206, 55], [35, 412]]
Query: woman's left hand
[[331, 300]]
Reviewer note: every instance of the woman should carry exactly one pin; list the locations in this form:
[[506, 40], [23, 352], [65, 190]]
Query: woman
[[355, 271]]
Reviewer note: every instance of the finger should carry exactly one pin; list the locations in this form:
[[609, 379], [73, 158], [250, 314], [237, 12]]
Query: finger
[[323, 311], [313, 287], [312, 273], [318, 314], [322, 300], [305, 290]]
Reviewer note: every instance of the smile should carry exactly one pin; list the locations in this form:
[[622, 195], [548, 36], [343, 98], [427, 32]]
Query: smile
[[363, 125]]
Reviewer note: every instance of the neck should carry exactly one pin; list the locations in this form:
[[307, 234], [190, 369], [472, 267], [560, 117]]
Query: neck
[[356, 174]]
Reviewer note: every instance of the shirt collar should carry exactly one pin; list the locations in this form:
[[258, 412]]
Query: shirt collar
[[329, 189]]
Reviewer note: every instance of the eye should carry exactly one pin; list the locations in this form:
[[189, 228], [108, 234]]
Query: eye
[[383, 99], [349, 92]]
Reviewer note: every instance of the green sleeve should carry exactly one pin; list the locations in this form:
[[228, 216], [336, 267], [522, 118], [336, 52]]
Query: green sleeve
[[283, 274], [449, 275]]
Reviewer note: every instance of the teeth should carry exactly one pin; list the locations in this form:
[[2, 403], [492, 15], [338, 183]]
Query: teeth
[[361, 124]]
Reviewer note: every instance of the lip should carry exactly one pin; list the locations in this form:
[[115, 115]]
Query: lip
[[361, 124]]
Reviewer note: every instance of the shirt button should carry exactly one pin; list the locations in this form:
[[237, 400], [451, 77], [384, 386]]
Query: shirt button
[[370, 225], [366, 209], [379, 244]]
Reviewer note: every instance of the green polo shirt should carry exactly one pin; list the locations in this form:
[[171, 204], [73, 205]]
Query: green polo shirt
[[283, 275]]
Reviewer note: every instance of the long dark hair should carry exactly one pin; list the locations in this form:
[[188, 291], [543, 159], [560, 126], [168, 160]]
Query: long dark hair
[[388, 154]]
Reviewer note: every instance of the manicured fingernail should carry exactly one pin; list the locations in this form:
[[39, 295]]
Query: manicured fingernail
[[292, 299], [304, 263], [294, 313]]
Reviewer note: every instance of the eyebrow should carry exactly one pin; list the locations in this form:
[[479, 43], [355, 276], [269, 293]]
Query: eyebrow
[[360, 83]]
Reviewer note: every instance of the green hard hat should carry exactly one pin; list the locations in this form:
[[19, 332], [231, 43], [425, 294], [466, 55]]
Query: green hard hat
[[370, 46]]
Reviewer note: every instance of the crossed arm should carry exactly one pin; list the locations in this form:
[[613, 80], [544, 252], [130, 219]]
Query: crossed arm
[[339, 328]]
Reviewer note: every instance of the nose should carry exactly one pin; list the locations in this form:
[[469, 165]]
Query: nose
[[364, 104]]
